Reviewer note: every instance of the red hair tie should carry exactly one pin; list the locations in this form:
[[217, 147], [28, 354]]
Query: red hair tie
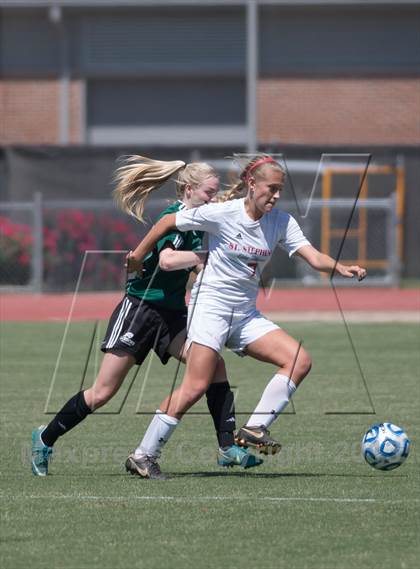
[[250, 167], [264, 160]]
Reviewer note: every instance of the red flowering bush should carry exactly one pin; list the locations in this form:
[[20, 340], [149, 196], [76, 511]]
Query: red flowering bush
[[15, 252], [66, 236]]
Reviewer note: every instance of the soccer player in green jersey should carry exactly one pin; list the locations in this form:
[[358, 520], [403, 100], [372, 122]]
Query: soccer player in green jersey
[[152, 316]]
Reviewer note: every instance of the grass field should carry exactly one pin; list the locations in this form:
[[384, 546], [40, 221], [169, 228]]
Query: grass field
[[316, 505]]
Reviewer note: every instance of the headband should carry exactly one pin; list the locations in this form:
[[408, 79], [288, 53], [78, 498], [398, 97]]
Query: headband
[[264, 160], [250, 167]]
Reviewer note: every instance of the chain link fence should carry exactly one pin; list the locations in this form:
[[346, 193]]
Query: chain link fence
[[43, 243]]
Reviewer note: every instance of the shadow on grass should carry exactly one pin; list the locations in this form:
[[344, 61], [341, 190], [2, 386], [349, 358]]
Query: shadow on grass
[[249, 473], [272, 475]]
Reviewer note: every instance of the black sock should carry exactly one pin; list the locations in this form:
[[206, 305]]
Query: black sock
[[220, 404], [73, 412]]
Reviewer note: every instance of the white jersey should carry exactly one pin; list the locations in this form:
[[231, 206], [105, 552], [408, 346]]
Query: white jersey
[[239, 248]]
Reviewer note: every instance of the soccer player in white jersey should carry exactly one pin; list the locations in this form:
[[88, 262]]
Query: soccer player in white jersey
[[242, 236]]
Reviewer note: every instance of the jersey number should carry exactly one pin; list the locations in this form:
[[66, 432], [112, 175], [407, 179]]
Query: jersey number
[[253, 267]]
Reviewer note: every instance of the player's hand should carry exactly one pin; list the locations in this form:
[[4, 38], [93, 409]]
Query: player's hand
[[133, 265], [198, 268], [351, 271]]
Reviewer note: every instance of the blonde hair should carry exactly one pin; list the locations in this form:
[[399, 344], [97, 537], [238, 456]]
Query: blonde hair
[[193, 175], [254, 165], [140, 176]]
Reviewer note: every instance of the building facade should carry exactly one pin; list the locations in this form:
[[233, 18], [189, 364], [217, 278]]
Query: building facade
[[209, 73], [94, 79]]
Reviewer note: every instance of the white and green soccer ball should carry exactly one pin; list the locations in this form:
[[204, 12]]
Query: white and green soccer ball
[[385, 446]]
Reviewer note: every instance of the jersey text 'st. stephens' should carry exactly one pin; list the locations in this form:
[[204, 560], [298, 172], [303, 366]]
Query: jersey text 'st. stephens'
[[239, 248]]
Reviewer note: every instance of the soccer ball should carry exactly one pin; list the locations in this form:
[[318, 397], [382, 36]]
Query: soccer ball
[[385, 446]]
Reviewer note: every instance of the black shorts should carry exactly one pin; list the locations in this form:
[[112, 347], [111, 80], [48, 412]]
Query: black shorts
[[136, 327]]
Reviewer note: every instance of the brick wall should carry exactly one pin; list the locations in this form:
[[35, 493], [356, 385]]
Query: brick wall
[[291, 111], [339, 111], [30, 111]]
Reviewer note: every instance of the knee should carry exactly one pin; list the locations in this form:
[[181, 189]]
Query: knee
[[303, 364], [98, 397], [196, 392], [220, 375]]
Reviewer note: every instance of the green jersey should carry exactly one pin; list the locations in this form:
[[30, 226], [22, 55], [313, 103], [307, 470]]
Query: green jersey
[[166, 288]]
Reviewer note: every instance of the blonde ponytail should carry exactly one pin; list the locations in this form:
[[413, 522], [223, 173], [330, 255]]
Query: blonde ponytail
[[233, 191], [138, 178]]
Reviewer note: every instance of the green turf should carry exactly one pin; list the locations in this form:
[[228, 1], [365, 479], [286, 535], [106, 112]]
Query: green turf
[[317, 505], [410, 283]]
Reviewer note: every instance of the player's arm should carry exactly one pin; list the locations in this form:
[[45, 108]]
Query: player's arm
[[172, 260], [324, 263], [163, 226]]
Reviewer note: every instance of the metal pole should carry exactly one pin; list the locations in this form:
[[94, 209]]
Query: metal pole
[[56, 18], [38, 244], [251, 73], [392, 231], [400, 204], [64, 88], [83, 112]]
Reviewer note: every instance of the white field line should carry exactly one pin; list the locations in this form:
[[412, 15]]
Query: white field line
[[206, 499], [364, 316], [357, 316]]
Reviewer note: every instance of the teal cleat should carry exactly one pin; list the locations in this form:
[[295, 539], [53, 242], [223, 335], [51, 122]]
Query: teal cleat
[[41, 454], [237, 456]]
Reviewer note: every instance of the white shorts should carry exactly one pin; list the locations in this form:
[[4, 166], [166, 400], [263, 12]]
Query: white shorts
[[216, 328]]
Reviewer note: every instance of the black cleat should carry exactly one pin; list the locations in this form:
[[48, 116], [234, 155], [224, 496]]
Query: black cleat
[[258, 437], [145, 467]]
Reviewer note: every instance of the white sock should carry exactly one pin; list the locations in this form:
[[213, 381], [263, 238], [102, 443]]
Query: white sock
[[273, 401], [158, 433]]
